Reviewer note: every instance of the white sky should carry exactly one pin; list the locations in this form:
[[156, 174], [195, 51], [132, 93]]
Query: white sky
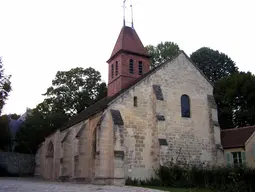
[[39, 38]]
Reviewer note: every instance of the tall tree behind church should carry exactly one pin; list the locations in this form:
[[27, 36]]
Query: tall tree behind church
[[213, 64], [235, 98], [74, 90], [162, 52], [5, 86], [71, 92]]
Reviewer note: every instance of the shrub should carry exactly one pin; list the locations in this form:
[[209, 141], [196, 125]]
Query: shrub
[[225, 179]]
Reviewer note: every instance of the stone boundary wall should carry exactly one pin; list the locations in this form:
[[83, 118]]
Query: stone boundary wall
[[17, 163]]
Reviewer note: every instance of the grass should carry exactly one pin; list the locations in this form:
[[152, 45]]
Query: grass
[[178, 189]]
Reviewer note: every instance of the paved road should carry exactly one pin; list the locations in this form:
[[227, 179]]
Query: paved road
[[35, 185]]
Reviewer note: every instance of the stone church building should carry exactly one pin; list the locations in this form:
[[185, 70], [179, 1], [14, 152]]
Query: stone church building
[[149, 117]]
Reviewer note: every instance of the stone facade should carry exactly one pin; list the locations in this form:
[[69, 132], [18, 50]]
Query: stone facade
[[250, 151], [130, 140]]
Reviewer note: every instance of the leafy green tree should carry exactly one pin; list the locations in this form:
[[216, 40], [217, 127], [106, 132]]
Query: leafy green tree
[[5, 135], [39, 124], [5, 86], [74, 90], [14, 116], [71, 92], [162, 52], [213, 64], [235, 97]]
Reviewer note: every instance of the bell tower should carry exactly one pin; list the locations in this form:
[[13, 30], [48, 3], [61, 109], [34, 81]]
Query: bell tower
[[129, 60]]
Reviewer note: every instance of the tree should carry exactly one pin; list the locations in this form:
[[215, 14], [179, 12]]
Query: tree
[[14, 116], [39, 124], [213, 64], [5, 135], [72, 91], [235, 98], [5, 86], [162, 52]]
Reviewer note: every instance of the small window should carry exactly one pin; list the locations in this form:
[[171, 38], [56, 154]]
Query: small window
[[140, 67], [135, 101], [238, 158], [112, 71], [185, 106], [116, 68], [131, 66]]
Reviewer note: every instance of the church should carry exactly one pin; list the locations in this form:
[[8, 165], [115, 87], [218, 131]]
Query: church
[[150, 117]]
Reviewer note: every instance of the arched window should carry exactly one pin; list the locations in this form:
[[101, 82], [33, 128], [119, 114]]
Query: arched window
[[50, 150], [131, 66], [185, 106], [116, 68], [135, 101], [140, 67]]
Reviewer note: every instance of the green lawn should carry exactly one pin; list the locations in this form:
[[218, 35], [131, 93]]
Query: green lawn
[[179, 189]]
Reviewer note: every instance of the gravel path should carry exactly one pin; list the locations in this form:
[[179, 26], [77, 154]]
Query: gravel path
[[35, 185]]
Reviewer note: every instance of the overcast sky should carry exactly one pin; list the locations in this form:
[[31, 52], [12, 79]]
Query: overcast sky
[[39, 38]]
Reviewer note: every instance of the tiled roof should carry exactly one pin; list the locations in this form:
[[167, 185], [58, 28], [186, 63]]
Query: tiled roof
[[129, 41], [233, 138], [88, 112]]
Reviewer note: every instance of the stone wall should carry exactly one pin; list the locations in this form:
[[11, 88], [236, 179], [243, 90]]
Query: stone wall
[[250, 151], [189, 140], [17, 163]]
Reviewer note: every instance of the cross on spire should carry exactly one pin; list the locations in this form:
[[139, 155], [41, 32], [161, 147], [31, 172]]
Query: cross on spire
[[124, 7], [124, 14]]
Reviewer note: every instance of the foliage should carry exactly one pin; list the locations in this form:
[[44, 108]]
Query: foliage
[[5, 135], [74, 90], [71, 92], [222, 179], [162, 52], [213, 64], [5, 86], [14, 116], [38, 125], [235, 98]]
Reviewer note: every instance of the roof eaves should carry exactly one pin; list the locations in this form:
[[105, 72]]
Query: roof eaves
[[233, 146]]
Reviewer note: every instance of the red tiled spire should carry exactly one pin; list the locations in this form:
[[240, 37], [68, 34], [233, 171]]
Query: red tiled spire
[[129, 61], [129, 41]]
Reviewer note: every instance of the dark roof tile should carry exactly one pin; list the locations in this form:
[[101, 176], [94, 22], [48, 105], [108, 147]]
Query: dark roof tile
[[233, 138], [129, 41]]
